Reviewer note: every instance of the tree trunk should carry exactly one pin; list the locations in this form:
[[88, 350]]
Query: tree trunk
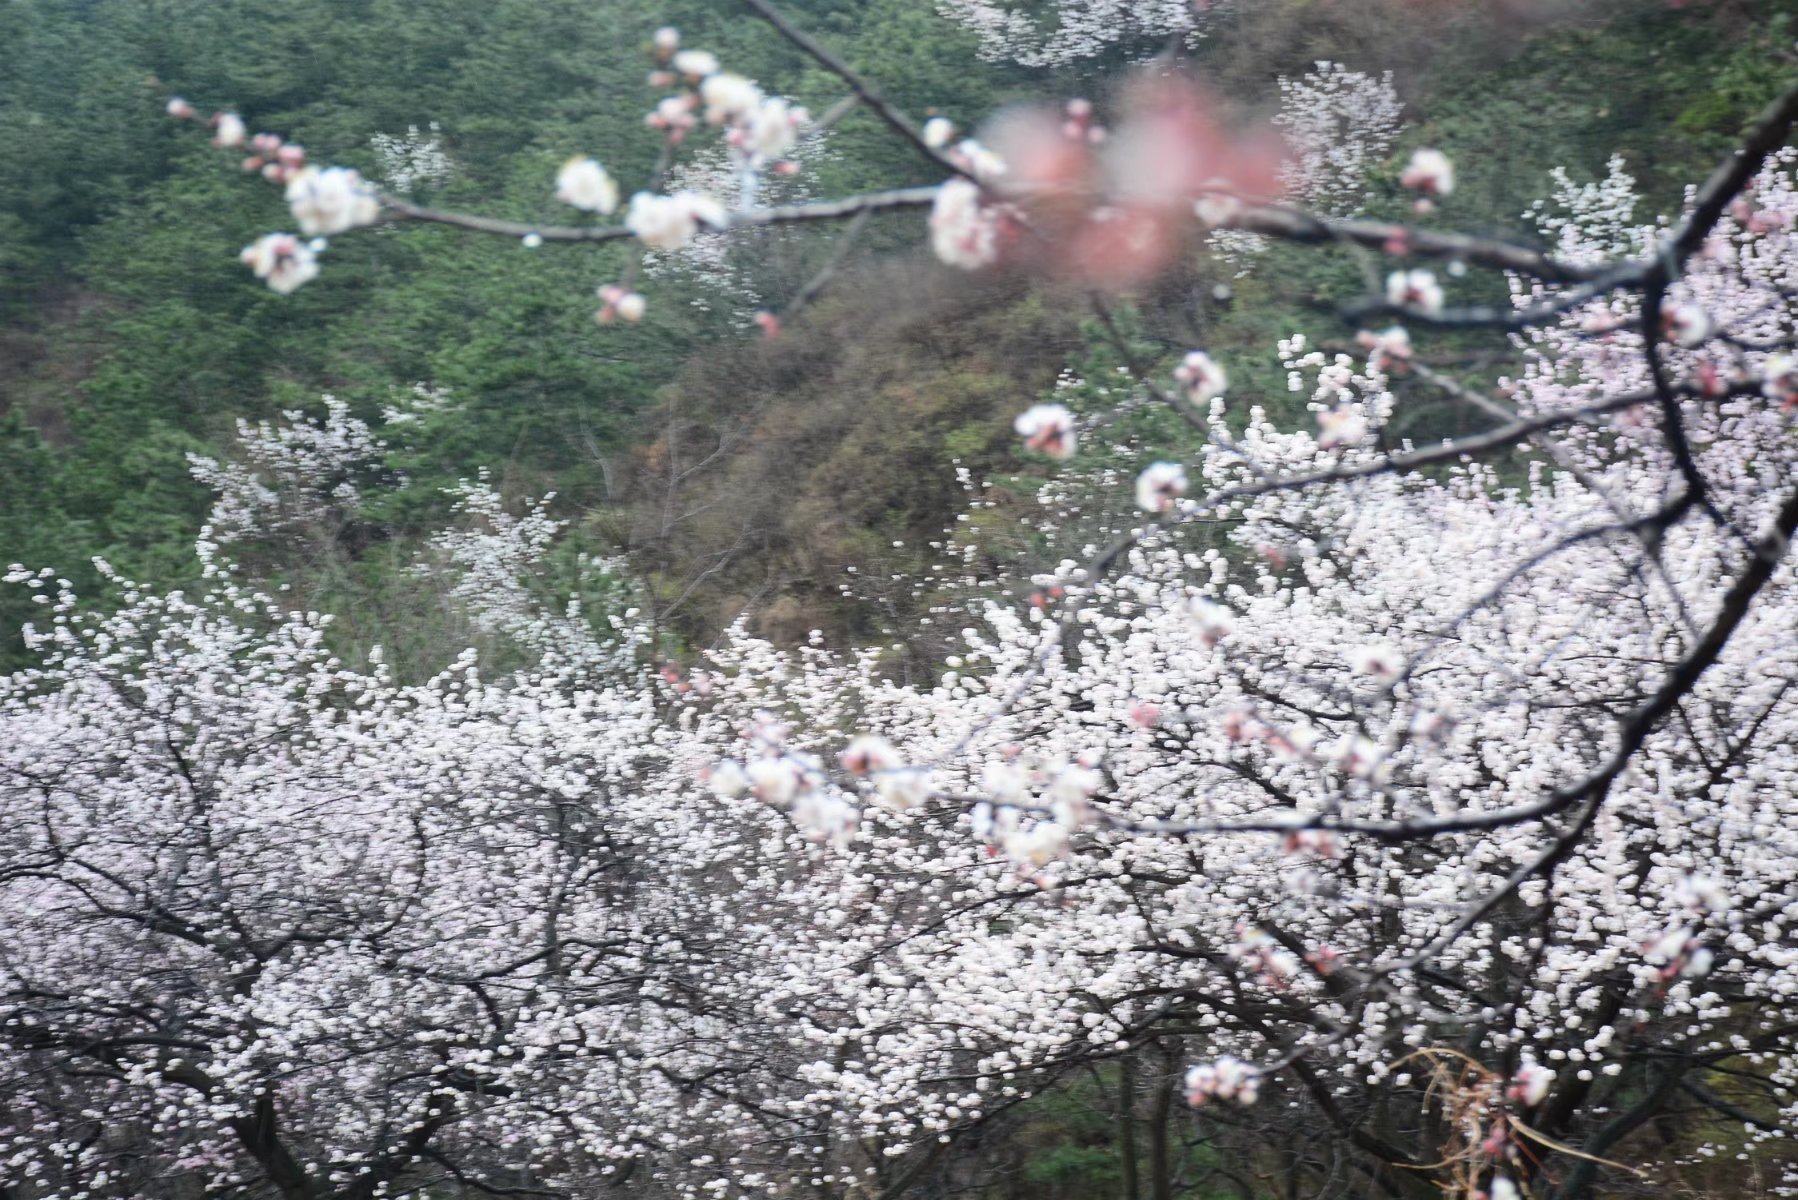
[[1161, 1167], [1127, 1124]]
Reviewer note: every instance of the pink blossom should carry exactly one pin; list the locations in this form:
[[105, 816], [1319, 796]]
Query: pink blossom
[[1048, 429], [1143, 714]]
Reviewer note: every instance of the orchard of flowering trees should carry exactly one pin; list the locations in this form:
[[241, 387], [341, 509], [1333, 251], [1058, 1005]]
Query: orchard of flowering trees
[[1361, 815]]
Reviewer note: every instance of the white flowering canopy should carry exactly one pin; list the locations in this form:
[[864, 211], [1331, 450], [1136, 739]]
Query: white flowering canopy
[[1440, 796]]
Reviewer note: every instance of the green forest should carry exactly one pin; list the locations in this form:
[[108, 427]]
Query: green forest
[[130, 337]]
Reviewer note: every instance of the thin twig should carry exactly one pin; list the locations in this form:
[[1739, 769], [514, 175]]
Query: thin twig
[[865, 91]]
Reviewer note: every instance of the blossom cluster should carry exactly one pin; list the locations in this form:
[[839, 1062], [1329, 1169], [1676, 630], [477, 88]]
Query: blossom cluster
[[1070, 30], [1489, 765]]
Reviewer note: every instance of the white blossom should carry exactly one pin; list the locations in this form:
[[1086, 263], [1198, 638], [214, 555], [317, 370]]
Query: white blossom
[[631, 306], [771, 130], [1430, 172], [670, 222], [228, 130], [1209, 619], [1337, 124], [1202, 376], [1415, 289], [331, 201], [1531, 1083], [1380, 661], [1160, 486], [1228, 1079], [1780, 379], [728, 98], [281, 260], [695, 64], [729, 780], [1037, 845], [1687, 325], [1340, 427], [411, 160], [584, 184], [964, 229]]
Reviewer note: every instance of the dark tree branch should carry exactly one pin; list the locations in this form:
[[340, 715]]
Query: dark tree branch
[[829, 210]]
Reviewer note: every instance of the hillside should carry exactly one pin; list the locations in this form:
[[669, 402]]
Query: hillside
[[131, 337]]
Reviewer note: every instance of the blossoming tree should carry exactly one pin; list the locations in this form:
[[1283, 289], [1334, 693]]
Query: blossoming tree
[[1417, 814]]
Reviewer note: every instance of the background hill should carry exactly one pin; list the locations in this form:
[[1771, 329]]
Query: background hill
[[743, 476]]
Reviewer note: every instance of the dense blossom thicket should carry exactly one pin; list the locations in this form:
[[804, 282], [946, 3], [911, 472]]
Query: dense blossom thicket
[[1073, 29], [1421, 816]]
